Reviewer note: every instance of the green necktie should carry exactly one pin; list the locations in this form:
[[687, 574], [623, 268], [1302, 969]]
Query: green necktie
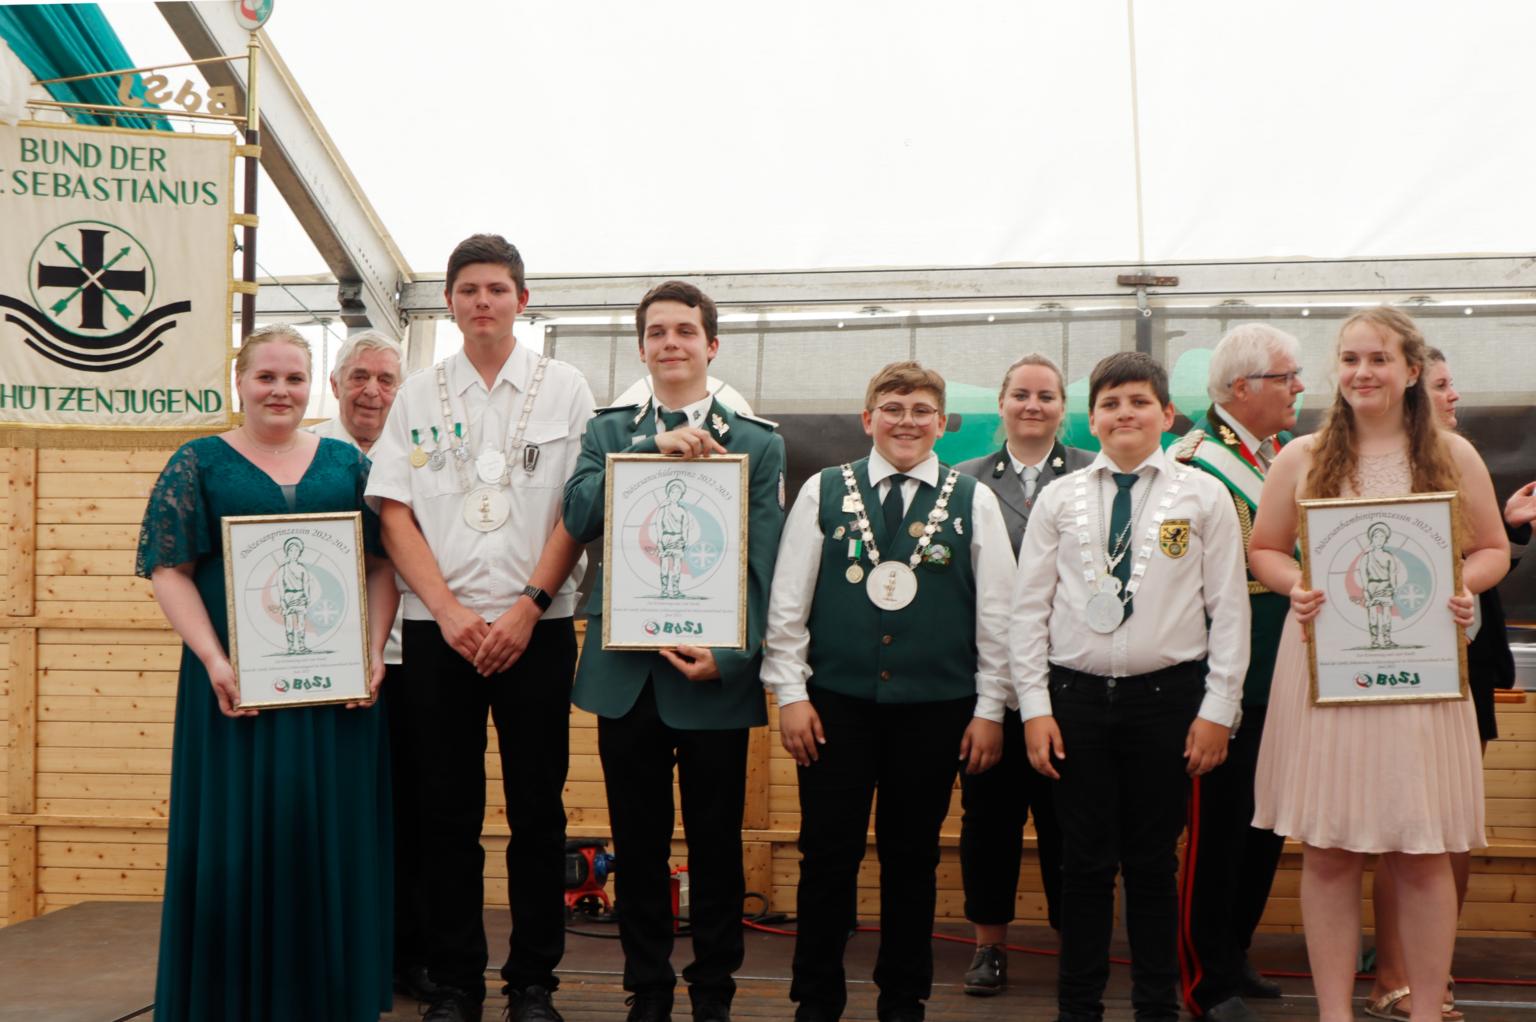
[[1119, 531], [891, 508], [673, 420]]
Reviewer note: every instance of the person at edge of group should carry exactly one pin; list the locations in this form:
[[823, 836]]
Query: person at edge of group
[[996, 804], [1229, 865], [1379, 439], [254, 792], [1490, 665], [366, 378], [467, 477], [887, 654], [689, 705], [1126, 692]]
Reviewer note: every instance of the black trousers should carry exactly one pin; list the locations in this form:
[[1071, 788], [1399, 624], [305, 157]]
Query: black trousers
[[405, 770], [1122, 800], [443, 706], [638, 751], [1229, 866], [910, 752], [996, 804]]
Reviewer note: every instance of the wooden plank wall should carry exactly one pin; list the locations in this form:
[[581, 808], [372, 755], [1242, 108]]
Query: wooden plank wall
[[87, 695]]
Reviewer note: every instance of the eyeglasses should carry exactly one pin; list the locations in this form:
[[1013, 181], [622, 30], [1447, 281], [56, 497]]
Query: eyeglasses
[[893, 413], [1287, 377]]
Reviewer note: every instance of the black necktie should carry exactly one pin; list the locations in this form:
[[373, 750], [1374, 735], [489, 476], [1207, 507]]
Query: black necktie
[[673, 420], [892, 509], [1119, 531]]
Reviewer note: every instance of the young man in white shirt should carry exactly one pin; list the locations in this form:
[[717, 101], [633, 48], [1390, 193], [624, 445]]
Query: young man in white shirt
[[1124, 689], [467, 477], [887, 652]]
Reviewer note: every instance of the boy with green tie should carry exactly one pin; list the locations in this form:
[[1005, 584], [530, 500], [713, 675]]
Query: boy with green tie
[[689, 705], [1129, 645], [887, 652]]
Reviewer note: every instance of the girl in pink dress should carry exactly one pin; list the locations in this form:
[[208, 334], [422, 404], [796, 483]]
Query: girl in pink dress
[[1403, 779]]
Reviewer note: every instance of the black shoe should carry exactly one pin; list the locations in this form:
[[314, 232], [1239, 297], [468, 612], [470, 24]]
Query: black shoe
[[1252, 984], [414, 983], [649, 1008], [988, 974], [811, 1013], [910, 1014], [1231, 1010], [531, 1005], [710, 1007], [450, 1005]]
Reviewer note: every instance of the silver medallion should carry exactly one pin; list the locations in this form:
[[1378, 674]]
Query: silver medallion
[[1105, 612], [891, 585], [486, 509], [436, 461], [491, 466], [461, 453]]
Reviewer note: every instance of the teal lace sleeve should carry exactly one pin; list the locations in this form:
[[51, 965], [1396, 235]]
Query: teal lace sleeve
[[175, 529]]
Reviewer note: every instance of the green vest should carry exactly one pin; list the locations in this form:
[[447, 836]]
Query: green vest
[[923, 653], [1245, 484]]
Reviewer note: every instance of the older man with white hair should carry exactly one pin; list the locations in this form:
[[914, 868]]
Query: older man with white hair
[[364, 382], [1229, 865], [366, 378]]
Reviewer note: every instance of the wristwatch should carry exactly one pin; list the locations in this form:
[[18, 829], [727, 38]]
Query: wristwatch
[[538, 596]]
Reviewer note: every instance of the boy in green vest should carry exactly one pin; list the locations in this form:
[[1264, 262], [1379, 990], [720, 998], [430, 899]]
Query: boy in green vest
[[887, 653], [689, 705], [1129, 645]]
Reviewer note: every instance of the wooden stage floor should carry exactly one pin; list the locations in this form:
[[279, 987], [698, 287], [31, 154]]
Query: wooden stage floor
[[95, 963]]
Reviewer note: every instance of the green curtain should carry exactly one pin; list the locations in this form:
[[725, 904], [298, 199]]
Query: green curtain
[[60, 40]]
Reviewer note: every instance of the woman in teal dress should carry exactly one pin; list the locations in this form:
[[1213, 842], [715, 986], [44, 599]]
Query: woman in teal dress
[[278, 891]]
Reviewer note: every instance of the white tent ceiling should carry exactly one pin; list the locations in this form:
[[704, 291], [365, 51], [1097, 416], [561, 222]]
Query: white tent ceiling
[[689, 135]]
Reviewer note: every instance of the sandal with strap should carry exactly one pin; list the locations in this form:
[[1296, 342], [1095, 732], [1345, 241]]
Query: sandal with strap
[[1387, 1006], [1448, 1010]]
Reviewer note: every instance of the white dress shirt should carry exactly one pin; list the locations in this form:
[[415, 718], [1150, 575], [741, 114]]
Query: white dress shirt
[[486, 571], [695, 412], [334, 430], [786, 664], [1175, 597]]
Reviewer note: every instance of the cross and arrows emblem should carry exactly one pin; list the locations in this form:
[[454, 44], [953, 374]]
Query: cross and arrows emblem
[[92, 288], [92, 277]]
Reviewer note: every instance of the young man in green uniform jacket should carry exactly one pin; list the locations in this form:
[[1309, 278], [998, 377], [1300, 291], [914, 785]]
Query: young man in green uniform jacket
[[691, 705], [1228, 864]]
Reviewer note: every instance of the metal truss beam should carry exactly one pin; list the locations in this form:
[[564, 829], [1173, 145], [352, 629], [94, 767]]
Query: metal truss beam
[[300, 158], [1449, 278]]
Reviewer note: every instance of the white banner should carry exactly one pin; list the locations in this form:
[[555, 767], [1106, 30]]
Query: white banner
[[115, 263]]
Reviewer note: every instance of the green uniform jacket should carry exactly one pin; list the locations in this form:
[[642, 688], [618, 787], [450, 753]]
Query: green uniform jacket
[[1213, 447], [609, 681]]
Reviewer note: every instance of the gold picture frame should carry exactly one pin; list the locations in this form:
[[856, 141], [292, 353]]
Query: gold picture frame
[[1388, 566], [290, 579], [675, 551]]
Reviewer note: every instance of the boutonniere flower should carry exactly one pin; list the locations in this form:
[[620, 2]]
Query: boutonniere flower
[[1056, 462]]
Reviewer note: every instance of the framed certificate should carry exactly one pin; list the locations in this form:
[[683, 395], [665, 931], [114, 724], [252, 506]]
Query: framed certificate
[[675, 552], [1388, 567], [298, 612]]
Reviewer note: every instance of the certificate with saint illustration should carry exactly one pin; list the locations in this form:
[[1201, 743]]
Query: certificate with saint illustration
[[298, 613], [675, 552], [1387, 569]]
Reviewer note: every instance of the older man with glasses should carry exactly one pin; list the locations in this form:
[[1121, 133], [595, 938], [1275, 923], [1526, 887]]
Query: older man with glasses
[[1229, 865]]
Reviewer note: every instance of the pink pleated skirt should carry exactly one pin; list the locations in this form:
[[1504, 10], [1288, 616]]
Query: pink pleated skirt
[[1400, 777]]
